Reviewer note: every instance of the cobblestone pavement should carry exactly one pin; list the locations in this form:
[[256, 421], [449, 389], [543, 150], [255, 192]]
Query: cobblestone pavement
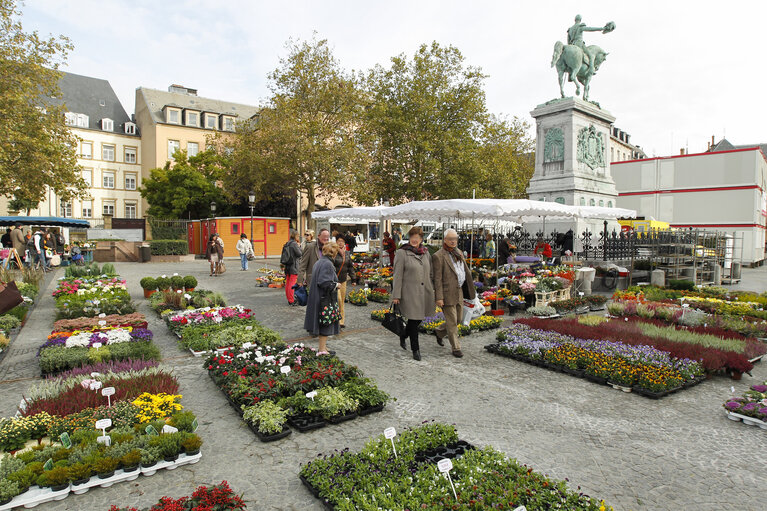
[[678, 453]]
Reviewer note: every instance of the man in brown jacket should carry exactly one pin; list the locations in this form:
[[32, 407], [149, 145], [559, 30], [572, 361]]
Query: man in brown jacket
[[19, 241], [452, 283], [312, 253]]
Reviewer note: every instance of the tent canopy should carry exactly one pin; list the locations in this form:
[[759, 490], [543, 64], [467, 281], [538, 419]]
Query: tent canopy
[[362, 214], [51, 221]]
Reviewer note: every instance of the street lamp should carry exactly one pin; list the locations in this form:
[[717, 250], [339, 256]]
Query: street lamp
[[251, 203], [213, 213]]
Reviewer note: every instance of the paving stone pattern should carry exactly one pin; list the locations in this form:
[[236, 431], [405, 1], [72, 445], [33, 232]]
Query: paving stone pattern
[[677, 453]]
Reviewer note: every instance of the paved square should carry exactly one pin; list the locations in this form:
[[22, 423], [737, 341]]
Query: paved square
[[678, 453]]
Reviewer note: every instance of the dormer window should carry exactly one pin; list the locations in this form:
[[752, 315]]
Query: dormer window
[[172, 115], [70, 119], [193, 118], [107, 125], [130, 128], [211, 121], [228, 123]]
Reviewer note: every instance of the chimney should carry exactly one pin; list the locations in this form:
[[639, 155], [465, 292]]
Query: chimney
[[681, 151], [712, 142]]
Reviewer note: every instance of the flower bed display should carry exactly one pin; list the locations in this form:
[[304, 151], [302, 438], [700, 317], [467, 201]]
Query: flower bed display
[[136, 320], [649, 371], [165, 302], [177, 320], [146, 431], [430, 324], [268, 386], [96, 337], [90, 297], [233, 333], [751, 408], [716, 350], [219, 498], [379, 295], [56, 359], [375, 478]]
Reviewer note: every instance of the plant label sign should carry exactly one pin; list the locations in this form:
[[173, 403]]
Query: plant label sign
[[246, 345], [97, 345], [151, 431], [102, 323], [195, 425], [445, 466], [102, 315], [311, 395], [94, 374], [65, 440], [520, 508], [249, 327], [48, 464], [169, 429], [104, 439], [285, 369], [103, 424], [96, 385], [390, 433], [108, 392]]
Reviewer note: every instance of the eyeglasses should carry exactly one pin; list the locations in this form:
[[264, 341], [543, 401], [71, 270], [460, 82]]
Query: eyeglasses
[[451, 239]]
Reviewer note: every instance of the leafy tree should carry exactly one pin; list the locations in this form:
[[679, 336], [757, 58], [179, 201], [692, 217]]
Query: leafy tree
[[185, 187], [430, 136], [305, 138], [37, 150]]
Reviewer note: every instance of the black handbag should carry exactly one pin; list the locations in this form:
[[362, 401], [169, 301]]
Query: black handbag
[[9, 297], [394, 322]]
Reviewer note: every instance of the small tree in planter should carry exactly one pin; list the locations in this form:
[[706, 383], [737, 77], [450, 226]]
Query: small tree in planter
[[190, 283], [177, 282], [149, 285], [163, 283]]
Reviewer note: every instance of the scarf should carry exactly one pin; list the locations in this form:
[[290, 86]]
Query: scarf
[[455, 253], [419, 250]]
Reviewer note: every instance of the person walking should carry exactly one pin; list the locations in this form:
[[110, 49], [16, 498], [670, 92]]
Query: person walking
[[5, 239], [396, 236], [214, 253], [312, 253], [389, 247], [244, 248], [291, 255], [503, 250], [38, 244], [412, 288], [323, 297], [344, 271], [489, 252], [452, 284], [351, 241]]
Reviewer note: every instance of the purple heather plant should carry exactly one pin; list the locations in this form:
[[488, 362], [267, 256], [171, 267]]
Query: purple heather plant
[[759, 388], [106, 367], [732, 405]]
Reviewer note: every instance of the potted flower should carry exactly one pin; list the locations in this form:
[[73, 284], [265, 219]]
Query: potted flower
[[190, 283], [596, 302], [335, 405], [267, 420], [544, 311], [149, 285], [357, 297]]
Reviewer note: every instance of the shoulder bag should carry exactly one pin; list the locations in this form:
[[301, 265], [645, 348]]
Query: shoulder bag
[[9, 296], [329, 312], [394, 322]]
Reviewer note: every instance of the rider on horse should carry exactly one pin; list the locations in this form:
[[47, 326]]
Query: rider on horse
[[575, 37]]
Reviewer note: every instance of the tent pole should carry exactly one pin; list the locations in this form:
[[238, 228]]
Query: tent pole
[[380, 239]]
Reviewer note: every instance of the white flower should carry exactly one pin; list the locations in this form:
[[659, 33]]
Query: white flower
[[118, 335], [175, 275], [78, 340], [163, 276]]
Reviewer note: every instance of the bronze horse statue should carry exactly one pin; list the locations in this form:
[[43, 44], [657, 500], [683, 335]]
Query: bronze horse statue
[[570, 59]]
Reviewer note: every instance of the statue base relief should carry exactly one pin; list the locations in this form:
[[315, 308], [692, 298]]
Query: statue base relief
[[572, 156]]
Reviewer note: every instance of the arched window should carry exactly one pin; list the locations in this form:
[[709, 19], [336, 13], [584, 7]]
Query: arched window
[[583, 201], [609, 204], [592, 202], [559, 200], [601, 203]]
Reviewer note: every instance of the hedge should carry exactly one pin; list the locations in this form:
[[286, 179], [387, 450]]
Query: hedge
[[169, 247]]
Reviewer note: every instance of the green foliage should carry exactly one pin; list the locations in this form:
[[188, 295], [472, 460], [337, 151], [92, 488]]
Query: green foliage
[[169, 247], [365, 391], [7, 322], [106, 465], [681, 285], [190, 282], [56, 359], [54, 477], [109, 270], [37, 150], [169, 444], [177, 282], [191, 443], [333, 401], [79, 471], [131, 459], [314, 101], [182, 421], [148, 283], [269, 417], [163, 283], [185, 187], [89, 270]]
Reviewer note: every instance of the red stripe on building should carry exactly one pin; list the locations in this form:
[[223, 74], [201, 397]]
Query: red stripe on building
[[693, 190]]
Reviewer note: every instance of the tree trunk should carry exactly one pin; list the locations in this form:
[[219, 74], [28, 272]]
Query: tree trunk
[[311, 203]]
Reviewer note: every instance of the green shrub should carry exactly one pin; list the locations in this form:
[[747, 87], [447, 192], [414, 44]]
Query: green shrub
[[106, 465], [148, 283], [182, 421], [53, 477], [109, 269], [80, 471], [269, 417], [334, 402], [169, 247], [56, 359], [24, 478], [190, 282], [131, 459], [191, 443], [7, 322], [163, 283], [8, 489], [681, 285], [177, 282]]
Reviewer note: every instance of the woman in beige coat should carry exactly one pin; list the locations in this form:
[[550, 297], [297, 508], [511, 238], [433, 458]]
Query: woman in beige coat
[[412, 289]]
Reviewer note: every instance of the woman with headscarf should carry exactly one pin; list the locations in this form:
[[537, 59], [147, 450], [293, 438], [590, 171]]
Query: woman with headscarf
[[389, 247], [214, 252]]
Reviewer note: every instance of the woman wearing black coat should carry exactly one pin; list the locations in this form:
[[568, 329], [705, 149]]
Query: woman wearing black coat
[[324, 284]]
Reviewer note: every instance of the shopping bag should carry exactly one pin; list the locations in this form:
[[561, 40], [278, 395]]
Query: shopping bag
[[9, 296], [329, 312], [300, 294], [221, 267], [394, 322], [472, 309]]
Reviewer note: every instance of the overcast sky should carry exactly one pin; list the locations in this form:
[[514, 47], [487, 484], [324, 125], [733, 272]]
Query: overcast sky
[[677, 73]]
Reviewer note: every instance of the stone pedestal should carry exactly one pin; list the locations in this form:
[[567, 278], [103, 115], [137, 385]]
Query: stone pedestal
[[572, 159]]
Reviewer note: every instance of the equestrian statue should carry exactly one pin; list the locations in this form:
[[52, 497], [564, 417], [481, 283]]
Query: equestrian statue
[[579, 61]]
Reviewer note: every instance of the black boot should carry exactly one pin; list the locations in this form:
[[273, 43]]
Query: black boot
[[403, 342], [417, 355]]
